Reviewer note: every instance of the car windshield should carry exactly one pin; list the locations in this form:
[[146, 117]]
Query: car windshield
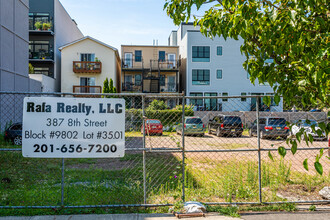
[[277, 121], [311, 122], [193, 121], [153, 122], [232, 120]]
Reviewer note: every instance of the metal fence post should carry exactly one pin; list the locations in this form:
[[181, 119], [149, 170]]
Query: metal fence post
[[62, 184], [144, 152], [183, 150], [259, 150]]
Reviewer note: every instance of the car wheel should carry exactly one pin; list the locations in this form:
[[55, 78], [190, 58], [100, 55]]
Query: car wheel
[[209, 131], [218, 132], [250, 133], [18, 140], [262, 135]]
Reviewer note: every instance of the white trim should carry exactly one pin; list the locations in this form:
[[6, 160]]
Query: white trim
[[90, 38]]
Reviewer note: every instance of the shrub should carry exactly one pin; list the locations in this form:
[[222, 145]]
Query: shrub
[[157, 105]]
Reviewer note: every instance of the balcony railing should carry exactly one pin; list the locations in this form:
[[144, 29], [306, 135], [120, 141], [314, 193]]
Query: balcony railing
[[169, 87], [41, 56], [151, 64], [164, 64], [87, 89], [87, 67], [131, 87]]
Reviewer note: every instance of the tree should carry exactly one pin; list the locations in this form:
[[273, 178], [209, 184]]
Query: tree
[[294, 34], [108, 87]]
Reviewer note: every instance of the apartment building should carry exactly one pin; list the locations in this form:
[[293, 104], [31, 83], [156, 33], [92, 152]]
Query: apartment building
[[86, 63], [150, 69], [50, 26], [14, 74], [214, 67]]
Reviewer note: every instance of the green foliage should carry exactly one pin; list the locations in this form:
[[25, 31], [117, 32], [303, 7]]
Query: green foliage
[[157, 105], [224, 210], [108, 87], [31, 69], [46, 25], [38, 25], [186, 107], [295, 34]]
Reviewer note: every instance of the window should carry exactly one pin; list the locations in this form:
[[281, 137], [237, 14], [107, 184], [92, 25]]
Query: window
[[40, 17], [196, 102], [225, 94], [162, 80], [219, 74], [43, 70], [219, 50], [138, 55], [86, 82], [211, 104], [200, 54], [243, 99], [161, 56], [138, 79], [128, 62], [87, 57], [200, 77], [40, 50]]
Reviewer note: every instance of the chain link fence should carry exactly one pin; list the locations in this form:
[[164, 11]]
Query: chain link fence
[[216, 150]]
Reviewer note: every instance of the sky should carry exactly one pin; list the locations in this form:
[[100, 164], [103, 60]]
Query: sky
[[122, 22]]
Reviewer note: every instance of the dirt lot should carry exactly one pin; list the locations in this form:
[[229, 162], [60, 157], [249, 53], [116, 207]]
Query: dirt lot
[[212, 142]]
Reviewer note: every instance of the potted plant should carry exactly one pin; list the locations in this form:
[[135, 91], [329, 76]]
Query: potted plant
[[38, 25], [46, 26], [97, 59]]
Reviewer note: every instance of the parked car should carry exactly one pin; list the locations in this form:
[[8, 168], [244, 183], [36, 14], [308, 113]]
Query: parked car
[[223, 125], [307, 125], [14, 133], [192, 126], [270, 127], [153, 127]]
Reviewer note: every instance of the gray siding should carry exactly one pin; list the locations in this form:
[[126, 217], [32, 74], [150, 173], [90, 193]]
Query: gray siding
[[14, 46]]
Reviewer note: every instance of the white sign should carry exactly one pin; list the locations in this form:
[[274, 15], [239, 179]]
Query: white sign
[[73, 127]]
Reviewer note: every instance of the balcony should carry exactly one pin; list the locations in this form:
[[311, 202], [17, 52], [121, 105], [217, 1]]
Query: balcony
[[42, 56], [89, 90], [131, 87], [131, 64], [87, 67], [167, 65]]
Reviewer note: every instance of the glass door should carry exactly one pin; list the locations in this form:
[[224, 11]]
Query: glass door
[[211, 104], [171, 60], [128, 60], [171, 83]]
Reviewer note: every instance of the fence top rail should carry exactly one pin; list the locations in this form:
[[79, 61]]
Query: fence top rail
[[151, 95]]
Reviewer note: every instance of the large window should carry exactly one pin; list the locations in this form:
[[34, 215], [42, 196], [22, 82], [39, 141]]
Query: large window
[[161, 56], [40, 50], [211, 104], [219, 74], [44, 71], [201, 54], [200, 77], [138, 55], [34, 17], [87, 57], [198, 103]]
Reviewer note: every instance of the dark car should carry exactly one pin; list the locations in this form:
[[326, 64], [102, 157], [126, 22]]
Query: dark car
[[223, 125], [270, 127], [14, 134]]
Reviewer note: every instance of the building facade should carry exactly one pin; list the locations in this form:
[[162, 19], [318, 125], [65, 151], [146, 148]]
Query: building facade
[[50, 26], [86, 63], [214, 67], [14, 75], [150, 69]]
